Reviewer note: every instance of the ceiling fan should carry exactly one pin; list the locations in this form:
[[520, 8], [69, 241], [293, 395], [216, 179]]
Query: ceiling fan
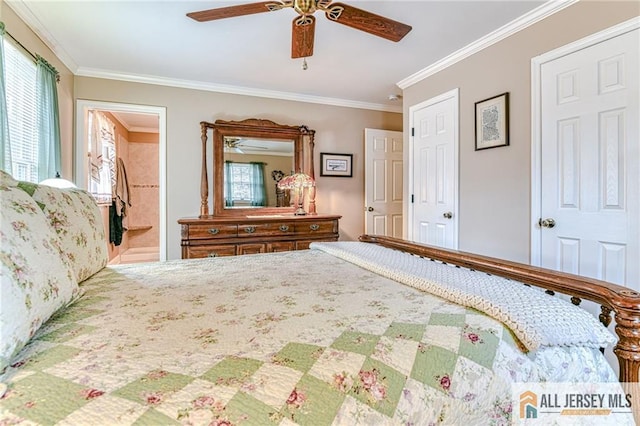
[[304, 25], [235, 144]]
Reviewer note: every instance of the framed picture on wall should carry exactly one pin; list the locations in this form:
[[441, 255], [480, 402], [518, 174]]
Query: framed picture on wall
[[338, 165], [492, 122]]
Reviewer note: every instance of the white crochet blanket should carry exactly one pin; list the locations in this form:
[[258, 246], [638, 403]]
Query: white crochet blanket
[[536, 318]]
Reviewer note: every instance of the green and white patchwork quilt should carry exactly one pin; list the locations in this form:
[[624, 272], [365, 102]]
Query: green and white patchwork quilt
[[283, 338]]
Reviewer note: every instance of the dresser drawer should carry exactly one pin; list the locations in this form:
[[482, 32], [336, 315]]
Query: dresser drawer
[[198, 252], [303, 244], [280, 246], [266, 229], [251, 248], [201, 232], [317, 227]]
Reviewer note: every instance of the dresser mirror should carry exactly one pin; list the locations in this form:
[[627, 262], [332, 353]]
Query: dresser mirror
[[252, 169], [249, 158]]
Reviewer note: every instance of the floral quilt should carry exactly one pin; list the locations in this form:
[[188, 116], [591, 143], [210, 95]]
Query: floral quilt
[[282, 338]]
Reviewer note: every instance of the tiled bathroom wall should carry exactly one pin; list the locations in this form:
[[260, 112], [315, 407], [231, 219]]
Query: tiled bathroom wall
[[142, 172]]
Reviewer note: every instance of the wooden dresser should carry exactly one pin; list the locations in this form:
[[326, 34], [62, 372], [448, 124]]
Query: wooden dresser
[[212, 236]]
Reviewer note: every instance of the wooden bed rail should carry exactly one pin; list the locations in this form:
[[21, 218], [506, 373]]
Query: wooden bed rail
[[623, 301]]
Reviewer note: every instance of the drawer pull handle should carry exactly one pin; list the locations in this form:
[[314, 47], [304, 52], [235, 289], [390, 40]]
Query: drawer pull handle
[[314, 227], [250, 229], [284, 228], [212, 254], [213, 231]]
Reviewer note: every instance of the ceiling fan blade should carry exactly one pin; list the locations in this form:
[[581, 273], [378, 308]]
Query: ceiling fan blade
[[254, 147], [367, 21], [302, 35], [239, 10]]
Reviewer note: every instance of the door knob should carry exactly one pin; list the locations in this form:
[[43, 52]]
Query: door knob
[[547, 223], [447, 215], [369, 209]]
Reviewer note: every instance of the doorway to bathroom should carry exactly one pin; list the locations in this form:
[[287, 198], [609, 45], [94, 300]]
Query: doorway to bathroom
[[120, 158]]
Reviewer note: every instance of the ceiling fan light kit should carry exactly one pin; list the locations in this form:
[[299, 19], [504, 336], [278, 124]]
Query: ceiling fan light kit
[[303, 26]]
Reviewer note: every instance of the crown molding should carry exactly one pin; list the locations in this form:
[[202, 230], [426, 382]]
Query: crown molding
[[137, 129], [122, 121], [236, 90], [22, 9], [541, 12]]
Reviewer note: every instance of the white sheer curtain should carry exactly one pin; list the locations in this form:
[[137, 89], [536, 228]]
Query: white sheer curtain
[[102, 156]]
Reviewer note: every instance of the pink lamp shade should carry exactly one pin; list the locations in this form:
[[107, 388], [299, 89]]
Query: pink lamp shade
[[297, 182]]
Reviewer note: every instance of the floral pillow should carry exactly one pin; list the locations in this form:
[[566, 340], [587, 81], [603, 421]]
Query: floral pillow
[[76, 218], [35, 279]]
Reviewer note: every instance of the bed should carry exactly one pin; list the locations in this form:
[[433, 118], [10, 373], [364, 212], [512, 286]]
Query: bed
[[379, 331]]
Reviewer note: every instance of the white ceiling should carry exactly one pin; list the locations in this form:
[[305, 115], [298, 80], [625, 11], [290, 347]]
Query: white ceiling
[[154, 41]]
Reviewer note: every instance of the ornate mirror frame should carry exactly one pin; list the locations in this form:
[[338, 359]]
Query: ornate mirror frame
[[303, 140]]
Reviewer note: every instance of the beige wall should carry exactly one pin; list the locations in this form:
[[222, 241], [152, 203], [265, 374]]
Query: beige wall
[[17, 28], [338, 129], [495, 183]]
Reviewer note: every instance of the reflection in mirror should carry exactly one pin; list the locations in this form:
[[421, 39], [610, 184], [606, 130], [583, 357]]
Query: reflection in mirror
[[256, 135], [252, 169]]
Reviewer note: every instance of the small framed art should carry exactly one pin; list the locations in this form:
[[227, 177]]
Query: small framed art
[[338, 165], [492, 122]]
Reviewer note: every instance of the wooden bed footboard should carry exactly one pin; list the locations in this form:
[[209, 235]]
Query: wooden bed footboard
[[623, 301]]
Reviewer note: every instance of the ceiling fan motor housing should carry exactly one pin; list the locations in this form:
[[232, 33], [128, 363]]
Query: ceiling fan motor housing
[[305, 7]]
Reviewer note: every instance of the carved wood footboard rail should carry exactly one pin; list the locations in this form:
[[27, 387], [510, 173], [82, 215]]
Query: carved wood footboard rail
[[623, 301]]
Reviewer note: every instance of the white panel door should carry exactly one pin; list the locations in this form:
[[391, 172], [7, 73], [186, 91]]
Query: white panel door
[[383, 182], [590, 162], [434, 215]]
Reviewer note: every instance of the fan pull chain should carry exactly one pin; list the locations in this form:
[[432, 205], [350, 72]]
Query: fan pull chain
[[304, 60]]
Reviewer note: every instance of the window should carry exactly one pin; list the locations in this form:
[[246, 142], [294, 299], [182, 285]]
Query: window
[[240, 174], [20, 80], [244, 184]]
